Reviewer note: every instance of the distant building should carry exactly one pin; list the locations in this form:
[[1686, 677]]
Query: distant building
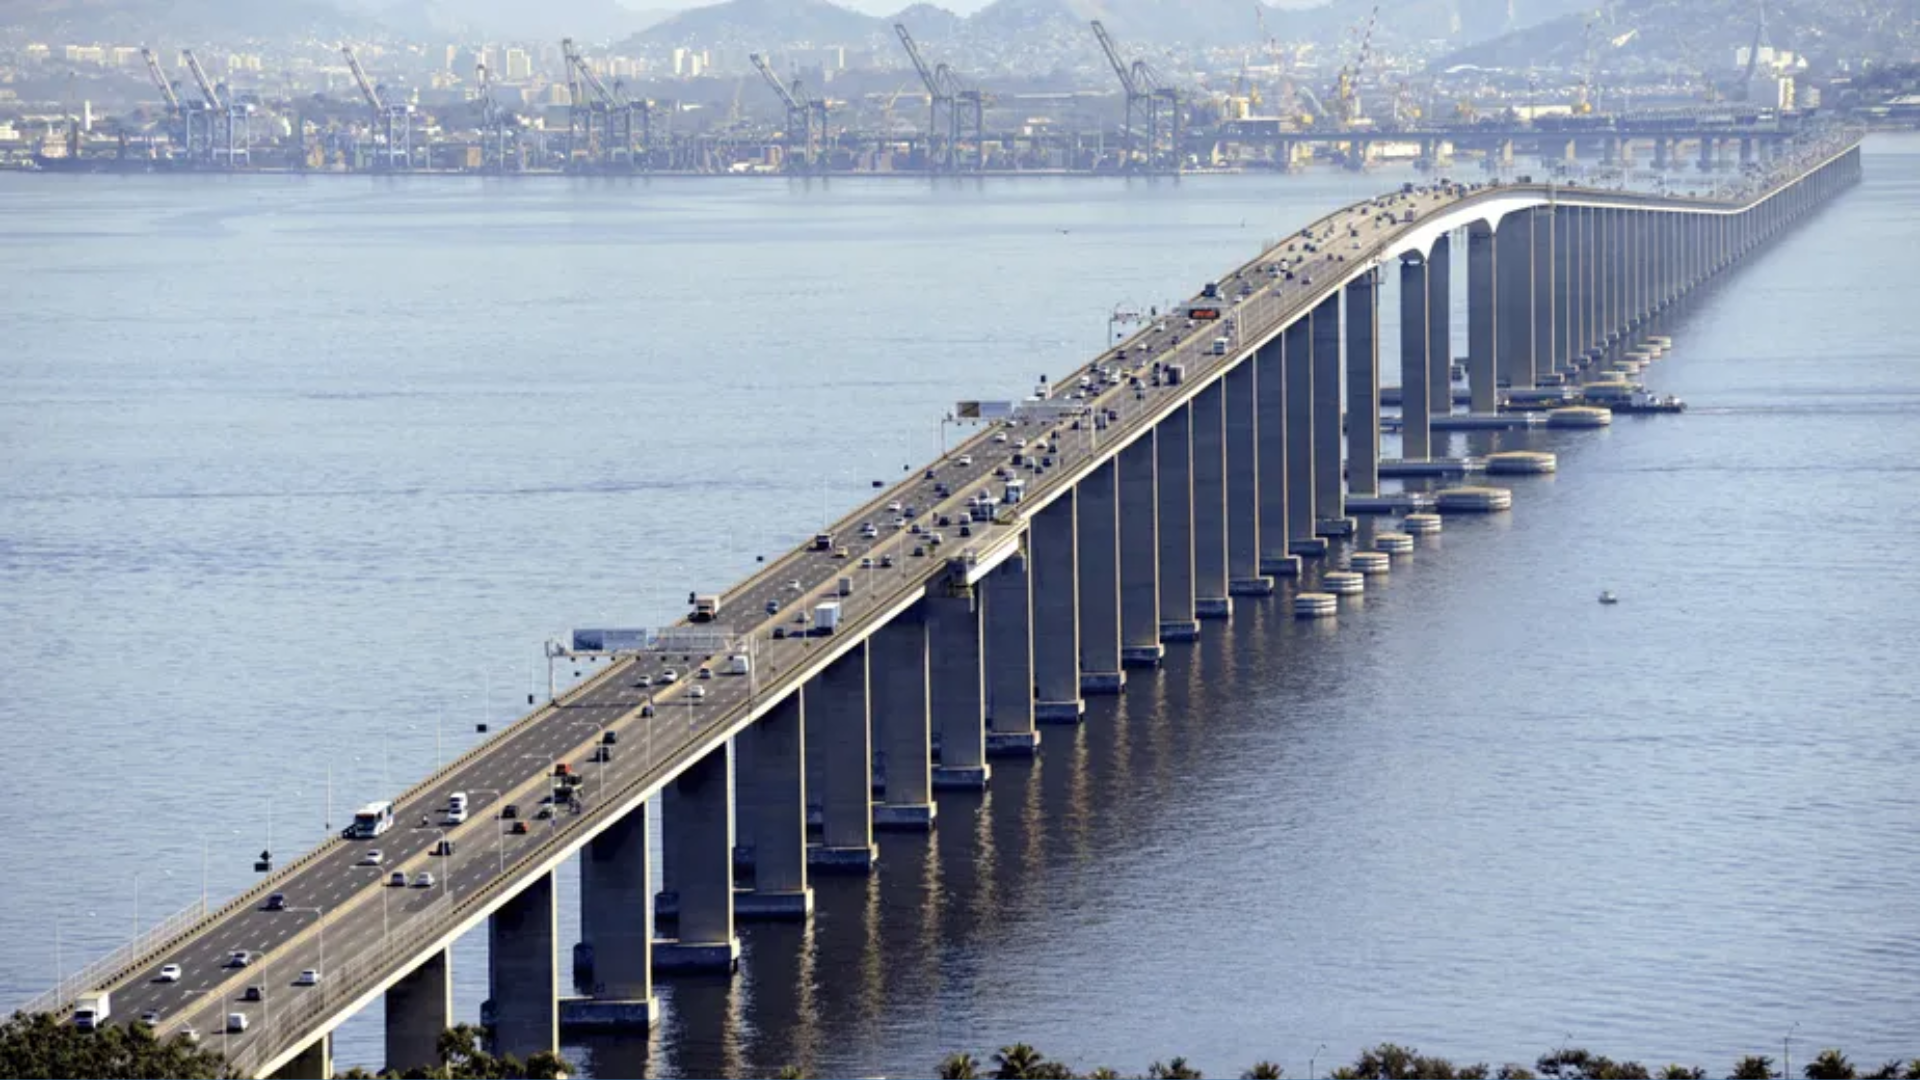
[[557, 94], [126, 56], [37, 51], [680, 61], [86, 54], [519, 65]]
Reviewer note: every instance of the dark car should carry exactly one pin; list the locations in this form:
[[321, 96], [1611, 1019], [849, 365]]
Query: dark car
[[509, 812], [254, 993], [519, 828], [277, 902]]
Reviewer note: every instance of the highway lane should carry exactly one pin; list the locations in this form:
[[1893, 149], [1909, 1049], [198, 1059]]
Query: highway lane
[[512, 765]]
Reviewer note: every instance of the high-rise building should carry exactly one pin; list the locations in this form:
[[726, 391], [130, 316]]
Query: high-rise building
[[519, 65], [680, 62]]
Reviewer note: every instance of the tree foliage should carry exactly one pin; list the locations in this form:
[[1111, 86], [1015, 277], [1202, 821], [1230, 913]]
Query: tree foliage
[[44, 1045]]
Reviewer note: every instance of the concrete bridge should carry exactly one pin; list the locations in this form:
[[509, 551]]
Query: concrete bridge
[[1157, 486], [1625, 143]]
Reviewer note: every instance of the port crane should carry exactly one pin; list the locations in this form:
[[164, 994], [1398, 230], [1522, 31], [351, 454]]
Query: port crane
[[966, 108], [1147, 96], [1288, 100], [176, 112], [803, 113], [615, 112], [1346, 87], [224, 129], [493, 124], [393, 119]]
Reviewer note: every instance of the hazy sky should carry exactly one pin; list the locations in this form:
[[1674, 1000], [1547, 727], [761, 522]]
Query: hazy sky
[[888, 7]]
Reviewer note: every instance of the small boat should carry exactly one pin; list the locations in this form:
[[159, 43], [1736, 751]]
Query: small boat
[[1607, 597]]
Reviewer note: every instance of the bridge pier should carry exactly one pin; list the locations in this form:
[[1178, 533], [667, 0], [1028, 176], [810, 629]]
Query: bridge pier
[[1540, 228], [1302, 536], [1483, 317], [837, 703], [700, 817], [1329, 500], [614, 961], [1440, 326], [1098, 496], [958, 689], [1140, 552], [1415, 366], [1515, 261], [1053, 539], [1210, 597], [1173, 441], [1363, 383], [1663, 154], [313, 1063], [771, 757], [522, 977], [1007, 617], [419, 1007], [1270, 433], [1560, 344], [898, 686], [1244, 577]]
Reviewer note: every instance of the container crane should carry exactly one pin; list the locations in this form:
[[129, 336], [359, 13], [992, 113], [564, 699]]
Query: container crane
[[1346, 89], [616, 111], [1147, 96], [1139, 102], [586, 119], [394, 119], [802, 112], [1288, 99], [939, 95], [176, 112], [224, 126], [493, 124]]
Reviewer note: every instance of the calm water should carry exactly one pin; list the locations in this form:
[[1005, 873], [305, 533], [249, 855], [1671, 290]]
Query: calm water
[[297, 472]]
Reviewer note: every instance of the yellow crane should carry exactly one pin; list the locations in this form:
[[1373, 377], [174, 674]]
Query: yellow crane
[[1288, 102]]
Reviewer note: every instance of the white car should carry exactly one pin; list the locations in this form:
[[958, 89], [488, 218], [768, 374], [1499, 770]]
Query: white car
[[893, 507], [190, 1033], [999, 436], [456, 814], [963, 460], [669, 676], [423, 880], [151, 1017], [698, 692], [236, 1021], [371, 858], [170, 973], [309, 977]]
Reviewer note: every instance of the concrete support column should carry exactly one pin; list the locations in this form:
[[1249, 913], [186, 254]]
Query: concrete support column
[[313, 1063], [1440, 326], [1270, 423], [958, 688], [1173, 440], [1006, 597], [1415, 429], [837, 707], [1580, 286], [1561, 355], [1053, 541], [897, 683], [1483, 317], [1301, 515], [614, 962], [1099, 555], [701, 819], [1540, 226], [1329, 501], [419, 1007], [1243, 481], [1210, 504], [773, 799], [1515, 348], [1616, 276], [1140, 553], [522, 977], [1363, 384]]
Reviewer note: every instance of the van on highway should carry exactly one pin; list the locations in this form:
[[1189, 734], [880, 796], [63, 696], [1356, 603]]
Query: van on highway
[[236, 1021], [1220, 345]]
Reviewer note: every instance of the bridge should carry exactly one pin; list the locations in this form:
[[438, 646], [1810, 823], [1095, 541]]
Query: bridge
[[1117, 510]]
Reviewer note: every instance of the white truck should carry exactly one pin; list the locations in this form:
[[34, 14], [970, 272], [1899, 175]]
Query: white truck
[[826, 617], [90, 1011], [738, 664]]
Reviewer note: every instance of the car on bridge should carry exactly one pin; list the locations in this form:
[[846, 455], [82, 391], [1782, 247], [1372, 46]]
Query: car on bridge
[[309, 977], [239, 958], [169, 973]]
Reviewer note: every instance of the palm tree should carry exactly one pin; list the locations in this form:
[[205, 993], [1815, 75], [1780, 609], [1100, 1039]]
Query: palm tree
[[1102, 1073], [1263, 1070], [1682, 1072], [1177, 1069], [1017, 1062], [1831, 1065], [959, 1067], [1754, 1067]]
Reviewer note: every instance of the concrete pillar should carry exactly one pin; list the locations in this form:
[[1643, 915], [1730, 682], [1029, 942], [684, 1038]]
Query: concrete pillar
[[1210, 504], [1515, 349], [958, 688], [1440, 326], [773, 800], [1540, 223], [1140, 553], [838, 712], [1053, 540], [701, 819], [1615, 325], [313, 1063], [616, 947], [1415, 430], [1006, 599], [1099, 555], [1329, 501], [1173, 440], [897, 686], [1483, 317], [1363, 384], [1243, 481], [419, 1007], [1561, 354], [1270, 424], [522, 976], [1301, 517]]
